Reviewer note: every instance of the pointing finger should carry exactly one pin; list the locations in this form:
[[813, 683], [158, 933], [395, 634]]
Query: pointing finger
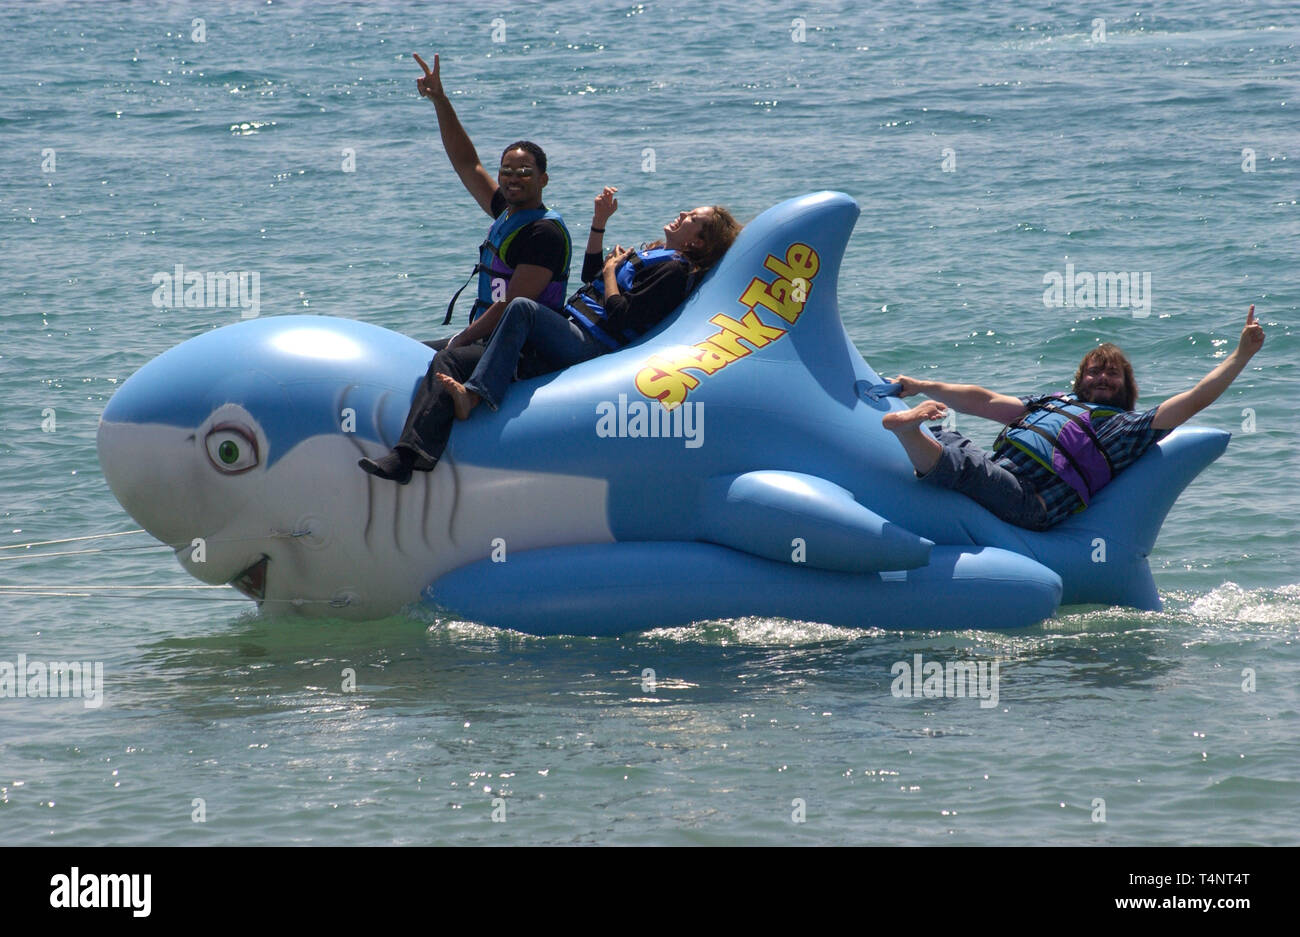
[[424, 65]]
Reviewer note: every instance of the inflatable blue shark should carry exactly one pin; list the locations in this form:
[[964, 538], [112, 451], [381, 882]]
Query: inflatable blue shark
[[730, 463]]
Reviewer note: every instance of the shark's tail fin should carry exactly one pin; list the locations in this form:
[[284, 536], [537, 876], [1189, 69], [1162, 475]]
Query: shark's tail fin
[[1126, 517]]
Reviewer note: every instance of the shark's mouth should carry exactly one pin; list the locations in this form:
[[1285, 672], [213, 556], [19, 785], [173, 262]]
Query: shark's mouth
[[252, 581]]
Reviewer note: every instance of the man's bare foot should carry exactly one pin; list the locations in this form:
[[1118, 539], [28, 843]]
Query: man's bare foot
[[462, 401], [921, 413], [922, 449]]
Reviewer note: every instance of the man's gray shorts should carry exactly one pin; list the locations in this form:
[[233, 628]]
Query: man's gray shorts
[[970, 470]]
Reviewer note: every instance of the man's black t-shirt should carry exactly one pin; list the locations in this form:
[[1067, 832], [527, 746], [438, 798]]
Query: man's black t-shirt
[[540, 243]]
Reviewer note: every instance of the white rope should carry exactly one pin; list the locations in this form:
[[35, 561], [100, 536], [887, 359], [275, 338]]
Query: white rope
[[149, 546], [46, 543], [110, 595], [28, 591], [31, 556], [150, 588], [129, 591]]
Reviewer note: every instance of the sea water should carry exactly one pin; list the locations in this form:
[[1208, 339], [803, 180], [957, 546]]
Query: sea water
[[993, 149]]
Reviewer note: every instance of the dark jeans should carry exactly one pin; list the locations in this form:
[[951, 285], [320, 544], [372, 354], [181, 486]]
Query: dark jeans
[[428, 424], [970, 470], [549, 340]]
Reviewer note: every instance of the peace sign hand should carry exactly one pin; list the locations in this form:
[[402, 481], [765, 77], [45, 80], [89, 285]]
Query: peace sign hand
[[430, 86]]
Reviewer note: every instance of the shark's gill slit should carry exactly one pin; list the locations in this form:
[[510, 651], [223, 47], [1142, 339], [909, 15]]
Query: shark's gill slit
[[370, 481], [426, 492], [379, 418]]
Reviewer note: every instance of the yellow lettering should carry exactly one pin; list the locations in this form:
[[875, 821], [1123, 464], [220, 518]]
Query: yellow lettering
[[729, 342], [719, 345], [686, 358], [664, 381], [775, 296], [801, 261], [750, 328], [711, 358]]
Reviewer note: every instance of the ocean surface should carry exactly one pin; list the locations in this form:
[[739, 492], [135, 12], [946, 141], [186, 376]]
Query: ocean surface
[[988, 145]]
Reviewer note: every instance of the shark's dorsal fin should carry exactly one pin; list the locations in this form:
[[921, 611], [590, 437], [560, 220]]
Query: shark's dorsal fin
[[778, 285]]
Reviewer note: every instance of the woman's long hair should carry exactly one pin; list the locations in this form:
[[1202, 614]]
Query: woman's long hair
[[717, 231]]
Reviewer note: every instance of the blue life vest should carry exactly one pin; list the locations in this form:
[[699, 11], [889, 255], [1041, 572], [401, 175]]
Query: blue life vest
[[1057, 433], [494, 273], [587, 306]]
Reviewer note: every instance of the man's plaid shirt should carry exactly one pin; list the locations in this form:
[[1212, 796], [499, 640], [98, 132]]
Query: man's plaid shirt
[[1125, 436]]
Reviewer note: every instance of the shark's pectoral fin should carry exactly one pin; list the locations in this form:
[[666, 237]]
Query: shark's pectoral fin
[[615, 588], [795, 518]]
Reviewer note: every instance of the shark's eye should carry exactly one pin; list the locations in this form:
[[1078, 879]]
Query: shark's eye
[[231, 448]]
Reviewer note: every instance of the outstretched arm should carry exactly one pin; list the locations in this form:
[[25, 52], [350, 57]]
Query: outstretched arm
[[461, 152], [966, 398], [1180, 408]]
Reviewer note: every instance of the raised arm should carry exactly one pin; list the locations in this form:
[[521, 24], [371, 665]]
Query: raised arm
[[1180, 408], [460, 150], [606, 205], [966, 398]]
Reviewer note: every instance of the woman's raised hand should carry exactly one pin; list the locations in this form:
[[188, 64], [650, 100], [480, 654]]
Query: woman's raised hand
[[606, 205]]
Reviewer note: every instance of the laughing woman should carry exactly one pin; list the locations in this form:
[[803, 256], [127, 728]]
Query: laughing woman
[[625, 296]]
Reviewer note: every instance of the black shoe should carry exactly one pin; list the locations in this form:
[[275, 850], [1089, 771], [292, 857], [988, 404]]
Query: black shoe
[[396, 466]]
